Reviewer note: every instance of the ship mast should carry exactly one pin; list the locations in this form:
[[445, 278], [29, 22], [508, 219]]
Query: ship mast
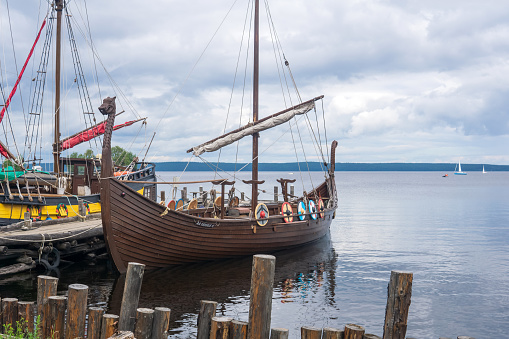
[[254, 174], [56, 146]]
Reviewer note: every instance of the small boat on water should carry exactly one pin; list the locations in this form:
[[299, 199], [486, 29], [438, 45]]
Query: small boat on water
[[459, 172], [445, 175], [141, 230], [483, 169]]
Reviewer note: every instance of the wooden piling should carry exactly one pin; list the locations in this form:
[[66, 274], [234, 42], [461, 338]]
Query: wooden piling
[[144, 321], [10, 312], [220, 327], [353, 331], [26, 313], [76, 311], [207, 312], [332, 333], [161, 323], [56, 317], [131, 296], [374, 336], [260, 306], [46, 287], [307, 332], [279, 333], [95, 315], [399, 293], [109, 325], [122, 335], [238, 329]]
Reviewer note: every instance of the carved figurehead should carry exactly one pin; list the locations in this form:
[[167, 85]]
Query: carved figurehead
[[108, 108]]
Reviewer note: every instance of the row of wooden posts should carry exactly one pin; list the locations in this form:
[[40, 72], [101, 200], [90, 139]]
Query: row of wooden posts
[[66, 317]]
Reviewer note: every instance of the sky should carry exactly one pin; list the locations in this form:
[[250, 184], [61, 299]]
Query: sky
[[403, 81]]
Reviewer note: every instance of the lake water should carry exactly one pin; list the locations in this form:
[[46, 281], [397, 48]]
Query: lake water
[[452, 233]]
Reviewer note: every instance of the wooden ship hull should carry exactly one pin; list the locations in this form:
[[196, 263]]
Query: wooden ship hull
[[137, 229]]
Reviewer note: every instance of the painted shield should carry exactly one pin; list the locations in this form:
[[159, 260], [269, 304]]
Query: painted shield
[[312, 209], [179, 205], [172, 204], [321, 208], [262, 214], [286, 211], [302, 210]]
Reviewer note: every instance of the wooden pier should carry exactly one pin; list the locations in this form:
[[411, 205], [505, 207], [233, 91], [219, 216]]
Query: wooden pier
[[68, 317], [30, 243]]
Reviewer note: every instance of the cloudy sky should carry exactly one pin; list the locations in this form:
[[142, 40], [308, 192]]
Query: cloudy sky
[[404, 81]]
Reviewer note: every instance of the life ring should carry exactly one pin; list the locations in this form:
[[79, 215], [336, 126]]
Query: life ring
[[262, 214], [287, 212], [61, 207], [321, 208], [312, 209], [172, 204], [301, 209], [179, 206], [50, 260]]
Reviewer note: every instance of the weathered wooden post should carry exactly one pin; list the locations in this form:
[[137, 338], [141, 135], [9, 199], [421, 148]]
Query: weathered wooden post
[[220, 327], [26, 313], [46, 287], [76, 311], [207, 312], [163, 197], [260, 305], [131, 296], [279, 333], [56, 317], [109, 325], [238, 329], [144, 321], [307, 332], [10, 312], [399, 293], [373, 336], [275, 193], [95, 315], [332, 333], [161, 323], [82, 210], [353, 331]]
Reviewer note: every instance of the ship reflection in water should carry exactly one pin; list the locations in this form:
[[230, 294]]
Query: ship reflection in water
[[304, 276]]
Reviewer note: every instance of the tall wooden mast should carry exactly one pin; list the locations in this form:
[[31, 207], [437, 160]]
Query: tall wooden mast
[[254, 175], [56, 146]]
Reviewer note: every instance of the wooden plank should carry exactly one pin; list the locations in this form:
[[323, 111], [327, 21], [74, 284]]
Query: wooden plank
[[260, 305], [399, 293]]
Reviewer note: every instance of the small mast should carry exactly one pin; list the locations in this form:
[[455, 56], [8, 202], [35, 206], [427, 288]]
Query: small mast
[[254, 172], [56, 146]]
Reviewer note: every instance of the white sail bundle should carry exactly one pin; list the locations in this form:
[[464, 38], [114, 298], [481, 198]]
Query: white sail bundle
[[251, 128]]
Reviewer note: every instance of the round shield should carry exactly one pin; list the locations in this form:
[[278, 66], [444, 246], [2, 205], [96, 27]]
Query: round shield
[[312, 209], [172, 204], [286, 211], [262, 214], [179, 205], [321, 208], [301, 209], [193, 204]]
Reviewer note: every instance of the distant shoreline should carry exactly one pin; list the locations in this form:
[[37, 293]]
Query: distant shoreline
[[316, 166]]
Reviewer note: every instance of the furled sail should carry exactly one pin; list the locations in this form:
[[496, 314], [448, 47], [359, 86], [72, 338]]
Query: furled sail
[[90, 133], [251, 128]]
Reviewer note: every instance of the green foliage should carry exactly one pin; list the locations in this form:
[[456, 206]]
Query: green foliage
[[89, 154], [121, 157], [22, 331], [10, 163]]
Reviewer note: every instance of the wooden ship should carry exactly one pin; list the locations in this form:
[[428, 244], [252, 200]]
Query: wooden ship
[[138, 229]]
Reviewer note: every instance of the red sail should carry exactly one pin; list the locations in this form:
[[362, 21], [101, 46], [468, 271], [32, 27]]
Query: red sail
[[90, 134], [20, 75]]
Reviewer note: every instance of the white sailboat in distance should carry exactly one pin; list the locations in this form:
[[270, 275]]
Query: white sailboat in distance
[[459, 172]]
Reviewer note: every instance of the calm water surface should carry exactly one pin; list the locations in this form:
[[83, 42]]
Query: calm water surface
[[452, 233]]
